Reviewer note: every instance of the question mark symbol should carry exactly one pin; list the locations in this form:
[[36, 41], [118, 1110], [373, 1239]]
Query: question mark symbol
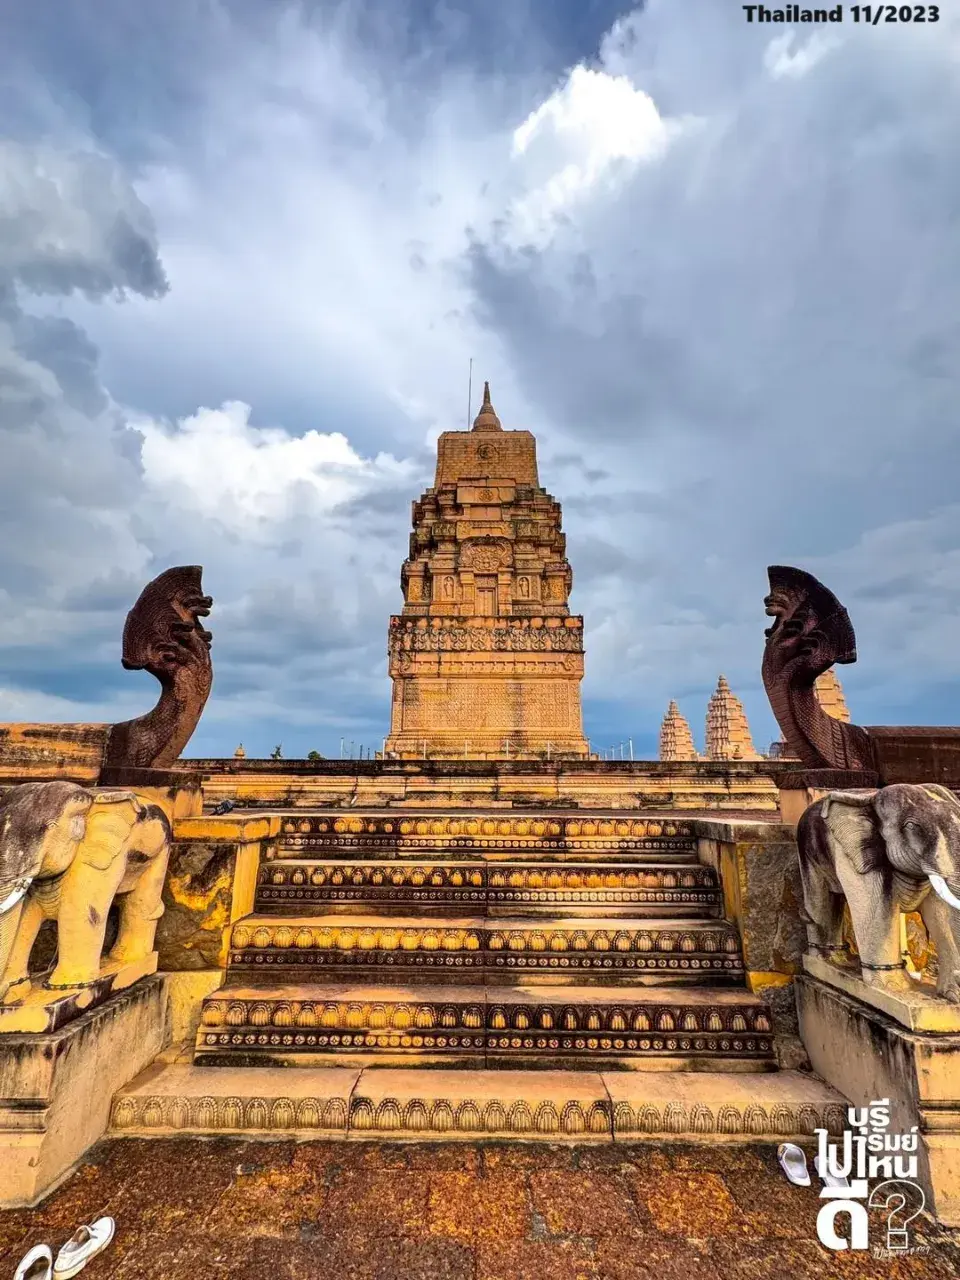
[[894, 1202]]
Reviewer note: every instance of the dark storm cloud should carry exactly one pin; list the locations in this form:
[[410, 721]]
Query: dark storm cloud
[[740, 348]]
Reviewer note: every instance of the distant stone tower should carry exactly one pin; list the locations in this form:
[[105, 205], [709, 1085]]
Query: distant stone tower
[[828, 691], [676, 740], [728, 734]]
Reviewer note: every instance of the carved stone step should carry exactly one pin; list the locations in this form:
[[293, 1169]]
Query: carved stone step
[[493, 887], [426, 1104], [380, 834], [653, 1027], [477, 948]]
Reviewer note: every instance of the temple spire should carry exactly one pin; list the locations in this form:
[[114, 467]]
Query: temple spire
[[486, 419], [676, 740], [728, 734], [829, 693]]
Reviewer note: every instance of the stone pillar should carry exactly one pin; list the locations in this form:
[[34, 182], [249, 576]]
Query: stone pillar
[[211, 882], [760, 875]]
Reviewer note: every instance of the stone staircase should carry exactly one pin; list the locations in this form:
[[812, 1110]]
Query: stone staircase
[[485, 940]]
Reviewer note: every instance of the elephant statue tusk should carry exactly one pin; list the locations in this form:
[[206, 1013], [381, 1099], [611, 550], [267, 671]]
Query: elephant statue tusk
[[942, 890], [18, 891]]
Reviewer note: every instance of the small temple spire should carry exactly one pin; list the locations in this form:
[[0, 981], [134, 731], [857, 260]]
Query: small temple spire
[[676, 740], [828, 691], [486, 419], [728, 734]]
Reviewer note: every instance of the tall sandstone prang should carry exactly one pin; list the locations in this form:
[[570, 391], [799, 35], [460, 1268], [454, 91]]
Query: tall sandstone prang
[[728, 733], [486, 659], [676, 740]]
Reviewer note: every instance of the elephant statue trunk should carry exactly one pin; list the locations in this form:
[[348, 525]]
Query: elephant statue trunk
[[883, 852]]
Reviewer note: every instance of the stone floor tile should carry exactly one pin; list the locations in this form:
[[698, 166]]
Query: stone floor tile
[[572, 1202], [773, 1207], [535, 1260], [471, 1210], [519, 1156], [436, 1157], [718, 1156], [638, 1255], [693, 1205], [380, 1202]]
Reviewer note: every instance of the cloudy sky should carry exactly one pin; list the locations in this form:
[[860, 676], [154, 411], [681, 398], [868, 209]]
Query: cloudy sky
[[247, 249]]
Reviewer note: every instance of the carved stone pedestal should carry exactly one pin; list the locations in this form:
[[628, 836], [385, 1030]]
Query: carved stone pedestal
[[45, 1010], [56, 1088], [867, 1054]]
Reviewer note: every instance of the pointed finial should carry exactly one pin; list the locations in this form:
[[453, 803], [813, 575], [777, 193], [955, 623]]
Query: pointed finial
[[486, 419]]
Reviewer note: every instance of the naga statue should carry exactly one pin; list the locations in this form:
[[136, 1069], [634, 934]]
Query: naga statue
[[163, 635], [811, 632]]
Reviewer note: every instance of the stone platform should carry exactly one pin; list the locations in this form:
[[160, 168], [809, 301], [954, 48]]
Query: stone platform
[[56, 1088], [864, 1052], [177, 1098], [663, 788], [485, 939], [471, 1210], [40, 1009]]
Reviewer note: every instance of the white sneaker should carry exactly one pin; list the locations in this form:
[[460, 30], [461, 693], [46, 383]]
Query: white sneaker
[[85, 1244], [794, 1164], [827, 1178], [37, 1265]]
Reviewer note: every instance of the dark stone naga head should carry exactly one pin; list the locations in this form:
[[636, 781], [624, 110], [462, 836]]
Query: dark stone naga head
[[163, 635], [811, 632]]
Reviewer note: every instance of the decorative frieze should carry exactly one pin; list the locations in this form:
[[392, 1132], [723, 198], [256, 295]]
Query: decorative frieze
[[520, 831], [481, 885], [442, 1104], [520, 635], [667, 951]]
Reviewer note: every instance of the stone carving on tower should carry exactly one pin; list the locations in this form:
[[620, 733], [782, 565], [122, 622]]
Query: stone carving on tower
[[676, 740], [486, 659], [728, 734]]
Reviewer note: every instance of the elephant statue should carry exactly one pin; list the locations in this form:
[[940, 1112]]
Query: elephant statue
[[885, 851], [66, 852]]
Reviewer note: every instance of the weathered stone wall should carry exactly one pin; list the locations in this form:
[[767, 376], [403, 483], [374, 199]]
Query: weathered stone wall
[[211, 882], [737, 789], [763, 896], [37, 752]]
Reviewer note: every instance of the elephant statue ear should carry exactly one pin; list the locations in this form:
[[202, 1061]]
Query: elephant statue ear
[[851, 799]]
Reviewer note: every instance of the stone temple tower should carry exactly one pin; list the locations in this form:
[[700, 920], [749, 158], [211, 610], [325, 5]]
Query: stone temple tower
[[676, 740], [486, 659], [728, 733]]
